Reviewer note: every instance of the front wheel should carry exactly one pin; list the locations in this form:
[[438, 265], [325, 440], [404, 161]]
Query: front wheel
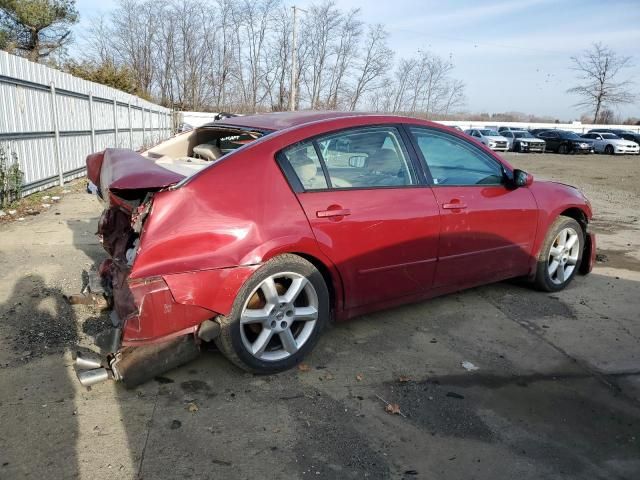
[[563, 149], [560, 256], [608, 150], [277, 316]]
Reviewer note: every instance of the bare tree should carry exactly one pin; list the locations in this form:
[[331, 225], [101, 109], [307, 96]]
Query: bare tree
[[238, 55], [374, 65], [345, 53], [598, 70], [321, 23], [455, 97]]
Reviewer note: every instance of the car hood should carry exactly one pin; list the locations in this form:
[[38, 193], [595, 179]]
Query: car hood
[[499, 138], [530, 140]]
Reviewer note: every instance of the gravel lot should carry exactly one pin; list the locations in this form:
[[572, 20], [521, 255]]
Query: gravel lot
[[556, 393]]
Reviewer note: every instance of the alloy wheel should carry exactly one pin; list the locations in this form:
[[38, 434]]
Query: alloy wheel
[[563, 255], [279, 316]]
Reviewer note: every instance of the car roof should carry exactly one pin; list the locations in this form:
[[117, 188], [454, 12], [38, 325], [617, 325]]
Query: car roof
[[283, 120]]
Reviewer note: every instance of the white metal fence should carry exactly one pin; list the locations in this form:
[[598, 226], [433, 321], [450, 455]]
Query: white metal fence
[[53, 120]]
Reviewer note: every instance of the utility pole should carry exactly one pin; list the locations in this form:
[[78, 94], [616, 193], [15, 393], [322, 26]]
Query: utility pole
[[294, 54]]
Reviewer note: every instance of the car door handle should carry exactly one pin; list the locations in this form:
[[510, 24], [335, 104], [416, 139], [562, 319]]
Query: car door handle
[[453, 206], [341, 212]]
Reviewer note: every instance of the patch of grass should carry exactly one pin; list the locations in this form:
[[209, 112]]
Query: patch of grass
[[35, 203], [11, 177]]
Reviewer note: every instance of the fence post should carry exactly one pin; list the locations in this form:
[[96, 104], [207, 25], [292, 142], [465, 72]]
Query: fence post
[[130, 127], [56, 132], [115, 123], [143, 130], [93, 130]]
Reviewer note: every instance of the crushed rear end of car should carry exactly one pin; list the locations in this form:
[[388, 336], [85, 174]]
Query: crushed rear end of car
[[150, 331]]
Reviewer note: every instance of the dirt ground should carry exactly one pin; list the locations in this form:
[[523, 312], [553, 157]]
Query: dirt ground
[[556, 393]]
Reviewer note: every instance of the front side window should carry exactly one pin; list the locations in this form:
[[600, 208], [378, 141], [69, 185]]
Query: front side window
[[452, 161]]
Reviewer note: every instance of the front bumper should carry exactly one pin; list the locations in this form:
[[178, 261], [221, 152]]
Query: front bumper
[[626, 150], [578, 149], [540, 148]]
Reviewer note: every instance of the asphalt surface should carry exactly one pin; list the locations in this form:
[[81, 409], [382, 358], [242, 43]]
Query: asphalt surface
[[556, 393]]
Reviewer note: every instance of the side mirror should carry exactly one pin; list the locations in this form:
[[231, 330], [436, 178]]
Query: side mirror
[[522, 178], [357, 161]]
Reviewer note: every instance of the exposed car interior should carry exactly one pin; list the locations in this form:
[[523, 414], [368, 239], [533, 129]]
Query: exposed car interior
[[191, 151]]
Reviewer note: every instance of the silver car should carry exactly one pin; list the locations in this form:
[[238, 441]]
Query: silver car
[[611, 144], [523, 141], [490, 138]]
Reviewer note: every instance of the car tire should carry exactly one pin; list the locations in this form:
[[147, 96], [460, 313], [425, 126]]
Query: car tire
[[560, 255], [516, 147], [609, 150], [563, 149], [263, 346]]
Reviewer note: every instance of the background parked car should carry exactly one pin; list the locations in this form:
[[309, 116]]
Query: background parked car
[[611, 144], [562, 141], [490, 138], [523, 141], [537, 131], [626, 134], [509, 129]]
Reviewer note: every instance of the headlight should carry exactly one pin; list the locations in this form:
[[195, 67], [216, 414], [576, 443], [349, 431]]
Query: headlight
[[524, 144], [584, 145]]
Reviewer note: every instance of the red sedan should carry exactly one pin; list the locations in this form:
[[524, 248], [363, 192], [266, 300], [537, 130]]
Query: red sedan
[[255, 232]]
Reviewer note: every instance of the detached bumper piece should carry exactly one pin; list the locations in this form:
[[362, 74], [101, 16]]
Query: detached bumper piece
[[135, 365]]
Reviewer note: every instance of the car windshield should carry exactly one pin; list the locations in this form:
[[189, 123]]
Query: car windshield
[[489, 133], [522, 135], [609, 135], [572, 135]]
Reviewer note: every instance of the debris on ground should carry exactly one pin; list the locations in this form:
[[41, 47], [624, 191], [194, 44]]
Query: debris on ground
[[359, 377], [391, 408], [192, 407], [303, 367], [404, 378], [455, 395], [468, 366]]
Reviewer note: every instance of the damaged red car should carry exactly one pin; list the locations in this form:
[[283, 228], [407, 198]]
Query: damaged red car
[[256, 232]]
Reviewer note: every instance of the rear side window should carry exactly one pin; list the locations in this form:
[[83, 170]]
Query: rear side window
[[306, 165], [453, 161]]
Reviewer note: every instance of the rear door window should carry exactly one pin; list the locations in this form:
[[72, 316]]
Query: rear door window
[[363, 157]]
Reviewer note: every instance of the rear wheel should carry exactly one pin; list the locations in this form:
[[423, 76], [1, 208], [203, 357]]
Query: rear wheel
[[560, 255], [608, 150], [277, 316]]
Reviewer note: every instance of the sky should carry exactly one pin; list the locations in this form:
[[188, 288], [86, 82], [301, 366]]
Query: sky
[[513, 55]]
